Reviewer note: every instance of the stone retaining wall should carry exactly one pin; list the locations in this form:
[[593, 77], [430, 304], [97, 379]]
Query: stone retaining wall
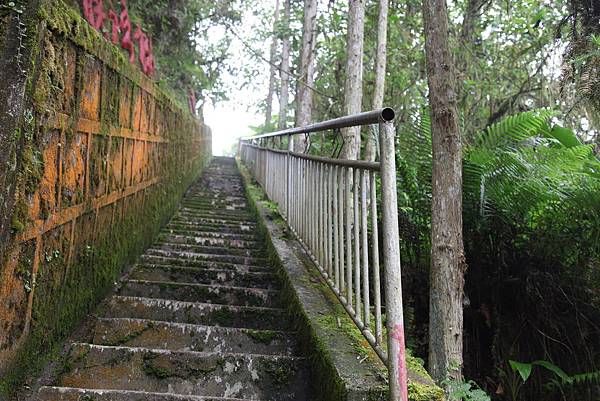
[[95, 157]]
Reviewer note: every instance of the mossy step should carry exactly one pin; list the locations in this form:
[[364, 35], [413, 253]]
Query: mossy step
[[186, 218], [190, 235], [206, 276], [212, 228], [205, 223], [250, 260], [197, 203], [214, 294], [197, 196], [186, 373], [214, 240], [206, 215], [231, 201], [208, 264], [210, 249], [215, 211], [48, 393], [189, 337], [195, 313]]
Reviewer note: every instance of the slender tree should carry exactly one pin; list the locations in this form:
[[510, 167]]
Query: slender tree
[[380, 64], [304, 95], [285, 67], [354, 68], [272, 72], [447, 253]]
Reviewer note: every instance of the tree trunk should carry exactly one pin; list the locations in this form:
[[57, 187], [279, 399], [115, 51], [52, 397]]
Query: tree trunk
[[307, 72], [354, 66], [273, 54], [447, 254], [380, 61], [285, 67]]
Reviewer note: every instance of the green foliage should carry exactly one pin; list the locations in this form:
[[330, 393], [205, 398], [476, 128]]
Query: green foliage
[[465, 391], [187, 55], [560, 378], [531, 201]]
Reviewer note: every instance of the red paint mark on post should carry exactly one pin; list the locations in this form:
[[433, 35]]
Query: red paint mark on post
[[398, 335]]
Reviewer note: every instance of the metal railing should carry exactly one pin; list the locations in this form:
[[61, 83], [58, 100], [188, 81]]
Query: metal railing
[[332, 205]]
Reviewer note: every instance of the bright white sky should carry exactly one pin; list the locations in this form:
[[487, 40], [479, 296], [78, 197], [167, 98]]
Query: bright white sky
[[231, 119]]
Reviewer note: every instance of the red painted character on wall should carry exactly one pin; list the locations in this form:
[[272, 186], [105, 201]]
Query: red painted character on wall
[[125, 25], [112, 15], [93, 10], [146, 57]]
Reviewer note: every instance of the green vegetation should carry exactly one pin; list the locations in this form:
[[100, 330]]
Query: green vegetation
[[263, 336]]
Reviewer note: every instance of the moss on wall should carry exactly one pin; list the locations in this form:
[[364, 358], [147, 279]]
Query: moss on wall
[[104, 157]]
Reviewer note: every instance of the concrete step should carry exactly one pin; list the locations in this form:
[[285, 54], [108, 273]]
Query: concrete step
[[205, 276], [209, 235], [226, 228], [193, 256], [187, 373], [215, 229], [215, 213], [214, 240], [189, 337], [211, 210], [230, 205], [210, 249], [201, 263], [212, 221], [212, 294], [81, 394], [168, 310]]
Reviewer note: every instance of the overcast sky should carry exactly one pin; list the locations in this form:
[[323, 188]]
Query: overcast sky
[[231, 119]]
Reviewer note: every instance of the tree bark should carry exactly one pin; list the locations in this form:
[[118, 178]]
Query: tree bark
[[354, 67], [272, 56], [447, 253], [304, 98], [380, 68], [285, 68]]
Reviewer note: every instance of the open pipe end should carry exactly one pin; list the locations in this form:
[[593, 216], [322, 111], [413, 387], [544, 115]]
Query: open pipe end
[[387, 114]]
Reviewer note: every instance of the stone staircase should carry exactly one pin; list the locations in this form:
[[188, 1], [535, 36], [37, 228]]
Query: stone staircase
[[199, 317]]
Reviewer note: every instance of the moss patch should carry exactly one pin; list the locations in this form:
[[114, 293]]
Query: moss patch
[[263, 336]]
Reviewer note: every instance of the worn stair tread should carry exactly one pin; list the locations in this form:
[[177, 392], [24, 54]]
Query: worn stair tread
[[220, 229], [210, 249], [253, 317], [238, 375], [54, 393], [248, 242], [205, 276], [191, 337], [190, 292], [212, 211], [208, 264], [187, 255]]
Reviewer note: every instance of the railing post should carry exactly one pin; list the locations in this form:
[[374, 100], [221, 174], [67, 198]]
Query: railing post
[[288, 175], [391, 257]]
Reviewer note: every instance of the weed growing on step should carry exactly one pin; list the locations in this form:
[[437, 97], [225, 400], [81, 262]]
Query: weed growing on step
[[281, 373]]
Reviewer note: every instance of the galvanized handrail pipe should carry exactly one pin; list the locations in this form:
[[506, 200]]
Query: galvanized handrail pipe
[[385, 114], [331, 206]]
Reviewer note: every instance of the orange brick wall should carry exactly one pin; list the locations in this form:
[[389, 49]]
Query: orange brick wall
[[105, 156]]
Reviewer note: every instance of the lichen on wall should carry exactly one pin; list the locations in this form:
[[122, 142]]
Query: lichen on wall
[[103, 157]]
